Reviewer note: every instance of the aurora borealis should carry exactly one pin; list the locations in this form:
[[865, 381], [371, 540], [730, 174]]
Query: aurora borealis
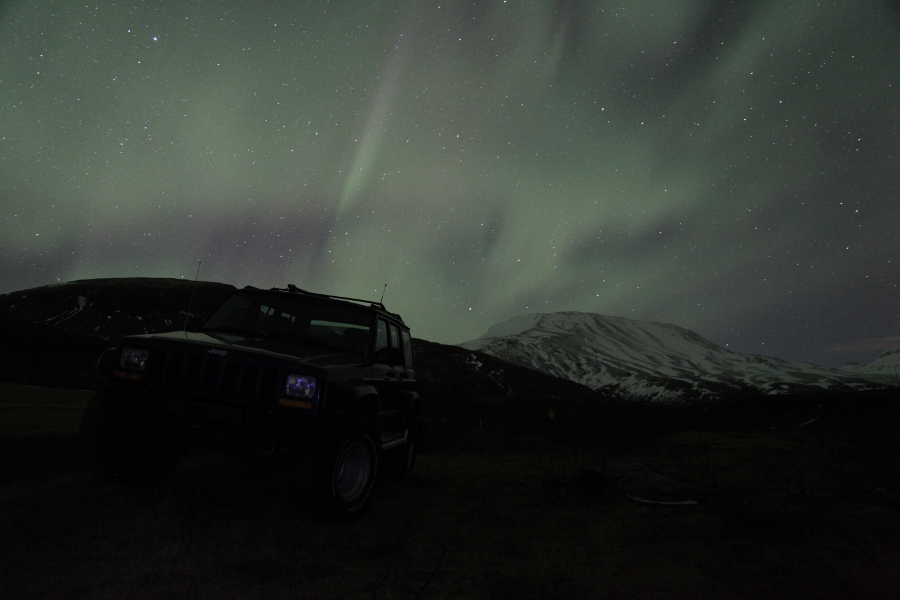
[[733, 168]]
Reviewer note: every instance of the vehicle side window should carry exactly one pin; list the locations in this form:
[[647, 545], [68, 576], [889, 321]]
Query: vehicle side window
[[407, 349], [381, 336], [395, 341]]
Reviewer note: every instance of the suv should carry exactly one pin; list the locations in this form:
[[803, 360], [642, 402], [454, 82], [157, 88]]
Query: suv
[[323, 384]]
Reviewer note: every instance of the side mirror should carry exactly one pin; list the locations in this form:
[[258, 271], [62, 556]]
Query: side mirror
[[389, 356]]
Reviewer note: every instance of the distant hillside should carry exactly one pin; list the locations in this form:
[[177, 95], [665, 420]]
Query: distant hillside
[[450, 372], [655, 361]]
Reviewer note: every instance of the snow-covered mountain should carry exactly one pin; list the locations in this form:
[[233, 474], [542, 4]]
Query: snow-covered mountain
[[888, 364], [655, 361]]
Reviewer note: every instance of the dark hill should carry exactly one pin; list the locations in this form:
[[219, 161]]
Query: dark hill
[[450, 371], [52, 335]]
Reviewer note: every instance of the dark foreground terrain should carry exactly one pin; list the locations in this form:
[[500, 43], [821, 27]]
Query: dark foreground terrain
[[797, 498]]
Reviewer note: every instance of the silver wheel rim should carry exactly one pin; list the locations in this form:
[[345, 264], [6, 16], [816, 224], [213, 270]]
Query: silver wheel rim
[[352, 473]]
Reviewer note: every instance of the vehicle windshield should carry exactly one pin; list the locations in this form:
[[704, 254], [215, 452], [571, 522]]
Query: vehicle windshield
[[338, 326]]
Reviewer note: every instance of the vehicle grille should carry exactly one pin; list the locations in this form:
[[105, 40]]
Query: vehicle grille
[[212, 377]]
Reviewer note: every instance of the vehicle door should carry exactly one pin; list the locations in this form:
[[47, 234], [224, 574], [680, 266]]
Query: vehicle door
[[407, 375], [389, 373]]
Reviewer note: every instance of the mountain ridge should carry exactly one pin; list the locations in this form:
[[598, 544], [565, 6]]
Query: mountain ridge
[[652, 361]]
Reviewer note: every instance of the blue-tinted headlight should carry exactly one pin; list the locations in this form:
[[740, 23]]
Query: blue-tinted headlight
[[300, 386], [134, 358]]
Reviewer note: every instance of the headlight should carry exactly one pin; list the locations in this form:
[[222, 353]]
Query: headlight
[[300, 386], [134, 358]]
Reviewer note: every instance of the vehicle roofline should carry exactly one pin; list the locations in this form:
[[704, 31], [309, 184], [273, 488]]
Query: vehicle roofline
[[293, 289]]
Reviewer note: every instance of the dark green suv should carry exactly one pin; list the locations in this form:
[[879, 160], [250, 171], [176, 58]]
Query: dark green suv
[[325, 385]]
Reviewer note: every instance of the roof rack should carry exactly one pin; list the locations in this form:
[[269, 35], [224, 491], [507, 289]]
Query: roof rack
[[293, 289]]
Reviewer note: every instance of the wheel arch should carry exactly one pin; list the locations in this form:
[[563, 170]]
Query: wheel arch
[[368, 404]]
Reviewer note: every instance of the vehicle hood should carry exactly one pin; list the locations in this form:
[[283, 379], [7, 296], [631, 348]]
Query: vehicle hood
[[243, 345]]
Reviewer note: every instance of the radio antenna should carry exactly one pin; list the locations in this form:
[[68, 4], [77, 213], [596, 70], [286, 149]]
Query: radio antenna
[[382, 295], [191, 302]]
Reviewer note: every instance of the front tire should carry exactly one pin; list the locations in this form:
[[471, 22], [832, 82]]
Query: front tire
[[338, 474], [350, 475]]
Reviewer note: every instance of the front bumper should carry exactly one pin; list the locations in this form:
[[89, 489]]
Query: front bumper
[[206, 423]]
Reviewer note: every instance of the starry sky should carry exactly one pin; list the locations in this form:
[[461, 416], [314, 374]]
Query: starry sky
[[730, 167]]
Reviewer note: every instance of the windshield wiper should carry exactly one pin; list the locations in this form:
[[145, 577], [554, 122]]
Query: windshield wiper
[[227, 329], [306, 339], [302, 338], [281, 336]]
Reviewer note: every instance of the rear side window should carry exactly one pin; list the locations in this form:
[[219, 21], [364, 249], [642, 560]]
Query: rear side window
[[407, 349], [395, 342], [381, 336]]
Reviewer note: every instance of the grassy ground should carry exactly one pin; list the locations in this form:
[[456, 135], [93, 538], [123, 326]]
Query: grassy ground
[[28, 411], [798, 498]]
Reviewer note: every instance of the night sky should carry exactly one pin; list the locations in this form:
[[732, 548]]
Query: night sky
[[730, 167]]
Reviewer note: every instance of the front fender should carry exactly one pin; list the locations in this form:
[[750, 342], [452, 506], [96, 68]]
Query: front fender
[[409, 400], [343, 398]]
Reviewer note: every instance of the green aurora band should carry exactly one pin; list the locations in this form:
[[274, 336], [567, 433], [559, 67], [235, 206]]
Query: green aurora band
[[730, 169]]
